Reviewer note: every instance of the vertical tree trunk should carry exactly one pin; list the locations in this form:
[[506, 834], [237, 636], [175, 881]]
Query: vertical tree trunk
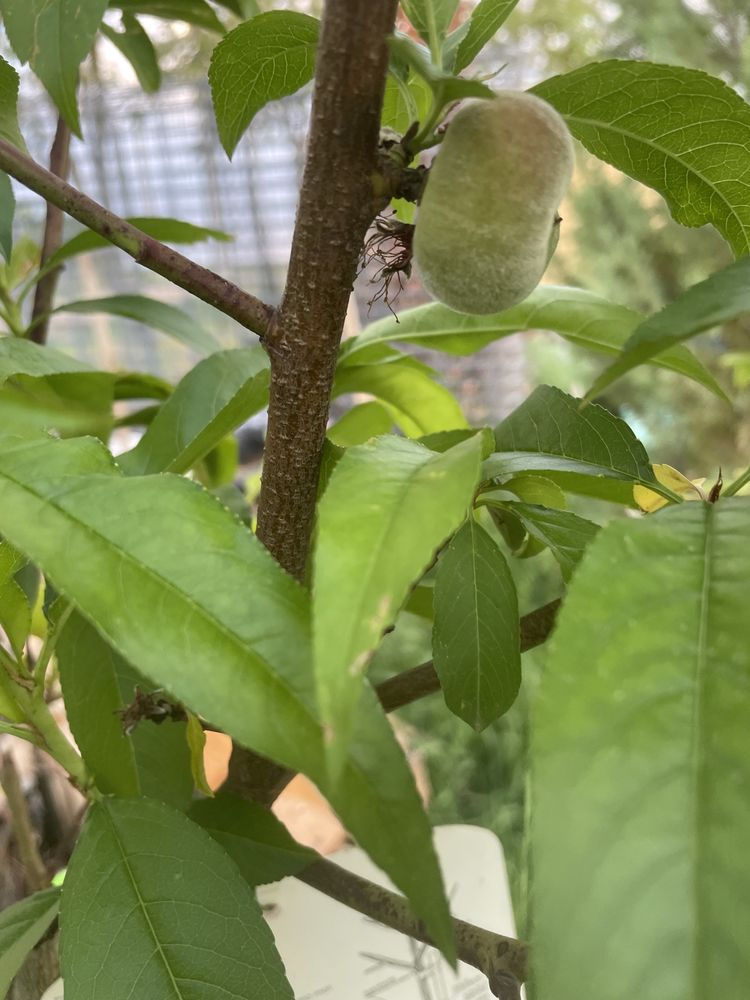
[[336, 205]]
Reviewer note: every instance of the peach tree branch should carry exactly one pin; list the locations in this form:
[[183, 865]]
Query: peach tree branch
[[223, 295], [502, 959], [59, 164]]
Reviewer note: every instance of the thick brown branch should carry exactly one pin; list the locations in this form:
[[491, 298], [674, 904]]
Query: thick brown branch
[[255, 777], [411, 685], [336, 206], [228, 298], [59, 164], [501, 959]]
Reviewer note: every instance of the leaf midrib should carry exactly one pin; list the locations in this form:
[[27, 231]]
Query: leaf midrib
[[352, 763], [596, 471], [475, 601], [142, 905], [375, 552], [152, 574], [698, 743]]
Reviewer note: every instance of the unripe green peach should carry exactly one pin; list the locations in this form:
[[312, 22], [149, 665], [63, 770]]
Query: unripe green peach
[[487, 223]]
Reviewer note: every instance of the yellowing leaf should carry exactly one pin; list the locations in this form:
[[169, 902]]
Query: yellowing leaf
[[690, 489]]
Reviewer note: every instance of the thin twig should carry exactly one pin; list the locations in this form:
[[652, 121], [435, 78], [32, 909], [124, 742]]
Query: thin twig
[[223, 295], [35, 870], [59, 164], [502, 959]]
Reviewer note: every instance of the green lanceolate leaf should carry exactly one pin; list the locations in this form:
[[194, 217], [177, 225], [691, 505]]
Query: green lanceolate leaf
[[11, 561], [23, 261], [418, 404], [150, 312], [445, 86], [530, 489], [150, 902], [218, 468], [7, 211], [431, 18], [92, 697], [582, 318], [443, 440], [44, 389], [36, 30], [66, 404], [163, 542], [164, 230], [475, 637], [15, 615], [362, 422], [537, 490], [719, 299], [268, 57], [15, 603], [18, 22], [195, 12], [253, 838], [486, 20], [141, 385], [23, 357], [134, 43], [209, 403], [550, 433], [22, 926], [388, 507], [9, 83], [641, 873], [672, 128], [406, 100], [564, 533], [142, 534]]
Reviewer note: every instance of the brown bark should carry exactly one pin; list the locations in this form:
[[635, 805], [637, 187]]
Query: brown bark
[[59, 164], [501, 959], [336, 206]]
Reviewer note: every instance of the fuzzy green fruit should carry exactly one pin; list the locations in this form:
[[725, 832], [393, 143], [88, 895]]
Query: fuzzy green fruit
[[487, 223]]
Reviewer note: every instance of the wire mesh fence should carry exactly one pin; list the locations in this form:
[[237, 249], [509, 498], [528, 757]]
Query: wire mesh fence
[[159, 155]]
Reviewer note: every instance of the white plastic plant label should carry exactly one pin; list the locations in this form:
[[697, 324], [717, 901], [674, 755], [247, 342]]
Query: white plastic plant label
[[332, 953], [55, 992]]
